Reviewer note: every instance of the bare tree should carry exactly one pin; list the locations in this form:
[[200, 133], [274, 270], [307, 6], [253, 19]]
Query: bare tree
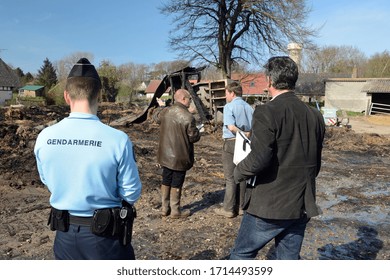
[[226, 32], [64, 65], [163, 68], [334, 59], [378, 65], [131, 76]]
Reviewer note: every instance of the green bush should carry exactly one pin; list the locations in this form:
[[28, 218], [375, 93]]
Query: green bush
[[124, 91], [55, 96]]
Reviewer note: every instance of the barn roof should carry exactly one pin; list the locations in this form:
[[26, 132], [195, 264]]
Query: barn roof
[[377, 86], [314, 83], [8, 77]]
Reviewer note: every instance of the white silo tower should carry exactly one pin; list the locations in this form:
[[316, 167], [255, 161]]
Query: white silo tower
[[294, 51]]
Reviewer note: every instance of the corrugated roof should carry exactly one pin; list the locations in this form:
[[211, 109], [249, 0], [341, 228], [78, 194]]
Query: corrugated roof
[[377, 86], [357, 80], [8, 78]]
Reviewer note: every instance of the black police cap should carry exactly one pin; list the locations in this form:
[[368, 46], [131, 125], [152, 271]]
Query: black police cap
[[84, 68]]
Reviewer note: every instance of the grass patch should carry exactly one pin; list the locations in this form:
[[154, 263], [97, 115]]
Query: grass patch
[[352, 114]]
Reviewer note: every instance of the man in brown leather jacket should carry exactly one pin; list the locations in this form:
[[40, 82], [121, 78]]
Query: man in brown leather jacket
[[178, 133]]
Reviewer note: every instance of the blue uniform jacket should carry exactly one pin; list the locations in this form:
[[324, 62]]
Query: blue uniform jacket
[[87, 165]]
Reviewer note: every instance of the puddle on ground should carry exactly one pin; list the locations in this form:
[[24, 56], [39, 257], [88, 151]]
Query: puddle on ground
[[356, 208], [365, 247]]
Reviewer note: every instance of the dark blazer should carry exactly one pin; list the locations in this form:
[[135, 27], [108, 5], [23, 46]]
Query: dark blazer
[[287, 137]]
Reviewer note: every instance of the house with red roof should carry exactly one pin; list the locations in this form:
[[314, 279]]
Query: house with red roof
[[252, 84], [152, 87]]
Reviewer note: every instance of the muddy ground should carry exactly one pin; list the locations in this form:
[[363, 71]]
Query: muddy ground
[[353, 192]]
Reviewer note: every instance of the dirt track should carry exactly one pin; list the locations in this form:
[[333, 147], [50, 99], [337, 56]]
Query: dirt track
[[353, 192]]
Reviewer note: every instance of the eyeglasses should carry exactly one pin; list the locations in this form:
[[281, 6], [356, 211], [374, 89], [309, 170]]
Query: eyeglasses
[[189, 98]]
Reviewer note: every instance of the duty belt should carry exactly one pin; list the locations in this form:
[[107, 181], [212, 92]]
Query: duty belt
[[81, 221]]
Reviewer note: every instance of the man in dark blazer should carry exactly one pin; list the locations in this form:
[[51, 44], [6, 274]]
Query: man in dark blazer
[[287, 137]]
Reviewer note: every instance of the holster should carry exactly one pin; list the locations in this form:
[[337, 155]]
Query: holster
[[128, 214], [115, 222], [58, 220], [105, 222]]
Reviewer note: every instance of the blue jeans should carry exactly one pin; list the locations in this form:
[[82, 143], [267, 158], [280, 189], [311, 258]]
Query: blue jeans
[[255, 233]]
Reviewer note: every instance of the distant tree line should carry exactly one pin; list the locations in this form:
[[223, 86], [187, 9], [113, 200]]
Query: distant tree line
[[226, 37], [346, 60], [125, 80]]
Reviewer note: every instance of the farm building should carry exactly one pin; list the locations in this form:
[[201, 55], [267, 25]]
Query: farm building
[[8, 82], [152, 87], [31, 91], [366, 95]]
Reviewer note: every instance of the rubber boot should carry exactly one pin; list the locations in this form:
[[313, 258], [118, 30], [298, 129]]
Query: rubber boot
[[176, 212], [165, 194]]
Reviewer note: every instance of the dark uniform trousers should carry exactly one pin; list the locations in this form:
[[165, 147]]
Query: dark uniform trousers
[[79, 243]]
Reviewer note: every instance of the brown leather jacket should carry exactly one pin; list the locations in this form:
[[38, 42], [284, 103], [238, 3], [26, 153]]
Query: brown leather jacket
[[178, 133]]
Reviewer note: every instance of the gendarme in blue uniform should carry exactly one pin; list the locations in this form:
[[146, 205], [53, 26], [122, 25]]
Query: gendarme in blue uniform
[[87, 165]]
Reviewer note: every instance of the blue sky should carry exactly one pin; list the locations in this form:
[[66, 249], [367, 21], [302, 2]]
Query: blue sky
[[124, 31]]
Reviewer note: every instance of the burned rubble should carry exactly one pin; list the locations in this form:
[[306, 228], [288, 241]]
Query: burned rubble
[[353, 192]]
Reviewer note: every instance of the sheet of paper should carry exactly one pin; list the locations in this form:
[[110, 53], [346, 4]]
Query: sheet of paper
[[242, 147]]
